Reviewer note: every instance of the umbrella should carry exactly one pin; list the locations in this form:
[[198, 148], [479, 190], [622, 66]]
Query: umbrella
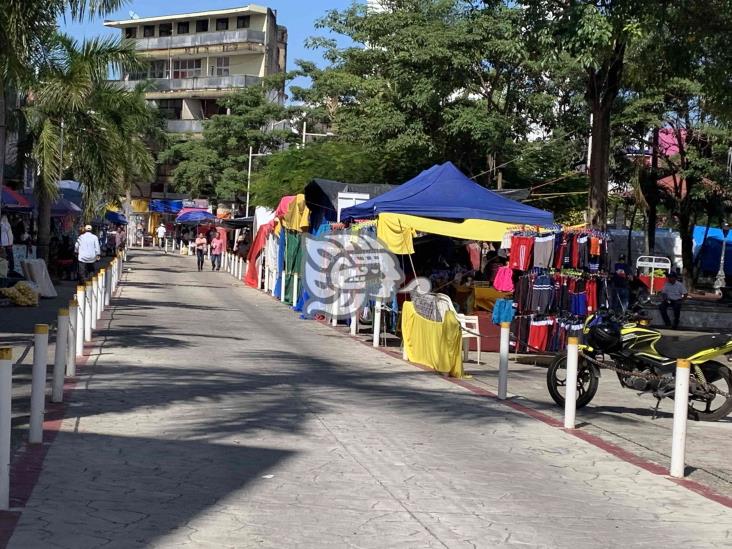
[[194, 216], [116, 218], [12, 198]]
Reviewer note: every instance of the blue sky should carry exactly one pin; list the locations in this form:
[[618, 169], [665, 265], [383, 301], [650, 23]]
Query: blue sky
[[298, 16]]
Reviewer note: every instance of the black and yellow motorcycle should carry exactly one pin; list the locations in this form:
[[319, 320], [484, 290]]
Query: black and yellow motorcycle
[[645, 361]]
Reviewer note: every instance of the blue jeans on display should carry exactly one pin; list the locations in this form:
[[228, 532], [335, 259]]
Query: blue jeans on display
[[216, 262]]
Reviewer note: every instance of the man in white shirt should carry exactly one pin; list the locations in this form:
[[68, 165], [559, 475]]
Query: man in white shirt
[[87, 251], [161, 232], [673, 294]]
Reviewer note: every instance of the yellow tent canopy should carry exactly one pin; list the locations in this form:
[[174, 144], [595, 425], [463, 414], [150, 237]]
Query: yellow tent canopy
[[397, 231]]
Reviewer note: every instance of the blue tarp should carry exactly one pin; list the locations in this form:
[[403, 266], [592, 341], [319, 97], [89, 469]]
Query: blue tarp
[[115, 217], [709, 252], [166, 206], [444, 192], [195, 217]]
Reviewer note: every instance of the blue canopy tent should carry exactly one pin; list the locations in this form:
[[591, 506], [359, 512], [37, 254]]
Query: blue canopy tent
[[195, 217], [444, 192], [116, 218], [166, 206]]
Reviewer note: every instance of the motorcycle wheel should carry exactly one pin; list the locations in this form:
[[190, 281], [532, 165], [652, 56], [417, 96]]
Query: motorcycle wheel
[[587, 381], [702, 410]]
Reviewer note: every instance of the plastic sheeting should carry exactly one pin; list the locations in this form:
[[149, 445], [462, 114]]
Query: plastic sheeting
[[396, 231], [437, 345]]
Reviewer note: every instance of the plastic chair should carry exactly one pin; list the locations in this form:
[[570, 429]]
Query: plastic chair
[[468, 323]]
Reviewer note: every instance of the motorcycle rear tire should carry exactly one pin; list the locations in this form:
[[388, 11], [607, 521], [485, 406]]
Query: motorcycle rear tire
[[583, 369], [724, 410]]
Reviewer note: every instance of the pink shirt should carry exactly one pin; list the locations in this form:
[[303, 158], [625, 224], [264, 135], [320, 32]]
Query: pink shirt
[[217, 246]]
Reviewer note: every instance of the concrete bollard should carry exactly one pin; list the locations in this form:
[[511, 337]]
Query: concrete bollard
[[80, 315], [166, 245], [59, 356], [241, 268], [294, 289], [100, 292], [38, 383], [94, 304], [108, 286], [282, 289], [681, 412], [354, 324], [6, 399], [87, 311], [570, 392], [503, 360], [71, 345], [377, 322]]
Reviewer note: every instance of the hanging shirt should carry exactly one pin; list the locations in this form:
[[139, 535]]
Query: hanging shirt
[[521, 247], [543, 251]]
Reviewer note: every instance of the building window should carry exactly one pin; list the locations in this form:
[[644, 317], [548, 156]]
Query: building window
[[148, 31], [202, 25], [159, 69], [187, 68], [183, 28], [165, 29], [243, 22], [171, 109], [131, 32], [222, 24], [220, 67]]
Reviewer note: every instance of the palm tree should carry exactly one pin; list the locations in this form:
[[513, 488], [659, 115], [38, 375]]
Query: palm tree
[[87, 125], [25, 29]]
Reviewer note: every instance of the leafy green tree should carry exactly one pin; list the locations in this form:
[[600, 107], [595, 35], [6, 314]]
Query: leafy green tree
[[287, 172], [217, 165]]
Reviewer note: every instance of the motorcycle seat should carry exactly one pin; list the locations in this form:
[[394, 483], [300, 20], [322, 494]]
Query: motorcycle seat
[[681, 347]]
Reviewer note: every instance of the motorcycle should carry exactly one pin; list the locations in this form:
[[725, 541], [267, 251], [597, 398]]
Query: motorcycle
[[645, 361]]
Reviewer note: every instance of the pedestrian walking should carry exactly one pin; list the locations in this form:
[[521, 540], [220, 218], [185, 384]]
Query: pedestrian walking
[[673, 294], [217, 249], [161, 231], [88, 252], [201, 249]]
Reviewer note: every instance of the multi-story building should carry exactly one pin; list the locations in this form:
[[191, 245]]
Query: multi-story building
[[194, 59]]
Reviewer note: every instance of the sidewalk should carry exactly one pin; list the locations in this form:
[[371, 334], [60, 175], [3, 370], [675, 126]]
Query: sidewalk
[[208, 415]]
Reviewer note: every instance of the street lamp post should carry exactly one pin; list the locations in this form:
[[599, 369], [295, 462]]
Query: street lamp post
[[721, 280], [305, 134]]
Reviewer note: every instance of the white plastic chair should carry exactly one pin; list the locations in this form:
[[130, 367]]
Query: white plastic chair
[[468, 323]]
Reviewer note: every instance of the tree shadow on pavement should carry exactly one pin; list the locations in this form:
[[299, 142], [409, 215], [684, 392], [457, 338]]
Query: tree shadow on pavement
[[132, 491]]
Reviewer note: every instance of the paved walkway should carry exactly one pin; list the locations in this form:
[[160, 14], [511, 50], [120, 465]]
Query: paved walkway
[[210, 416]]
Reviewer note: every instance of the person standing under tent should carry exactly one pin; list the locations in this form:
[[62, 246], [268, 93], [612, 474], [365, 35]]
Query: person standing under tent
[[217, 249], [201, 249], [88, 252], [160, 232]]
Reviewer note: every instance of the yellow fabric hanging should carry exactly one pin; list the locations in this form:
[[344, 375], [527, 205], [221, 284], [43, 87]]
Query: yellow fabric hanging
[[140, 205], [434, 344], [397, 230], [297, 217]]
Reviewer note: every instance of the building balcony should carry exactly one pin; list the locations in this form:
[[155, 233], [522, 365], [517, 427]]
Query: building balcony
[[196, 83], [184, 126], [199, 39]]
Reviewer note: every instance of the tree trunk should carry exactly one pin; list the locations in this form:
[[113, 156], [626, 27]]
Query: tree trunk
[[599, 167], [629, 256], [44, 223], [652, 195], [687, 248]]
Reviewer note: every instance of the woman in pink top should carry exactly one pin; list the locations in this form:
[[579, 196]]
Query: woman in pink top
[[217, 248]]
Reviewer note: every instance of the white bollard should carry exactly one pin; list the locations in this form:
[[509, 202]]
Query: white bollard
[[71, 346], [59, 356], [108, 286], [336, 307], [6, 399], [354, 324], [570, 390], [241, 268], [681, 412], [377, 322], [503, 360], [94, 304], [294, 289], [87, 311], [100, 292], [282, 289], [166, 245], [80, 315], [38, 383]]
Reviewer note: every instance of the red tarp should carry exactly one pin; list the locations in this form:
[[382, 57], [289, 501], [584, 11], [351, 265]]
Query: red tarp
[[252, 278]]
